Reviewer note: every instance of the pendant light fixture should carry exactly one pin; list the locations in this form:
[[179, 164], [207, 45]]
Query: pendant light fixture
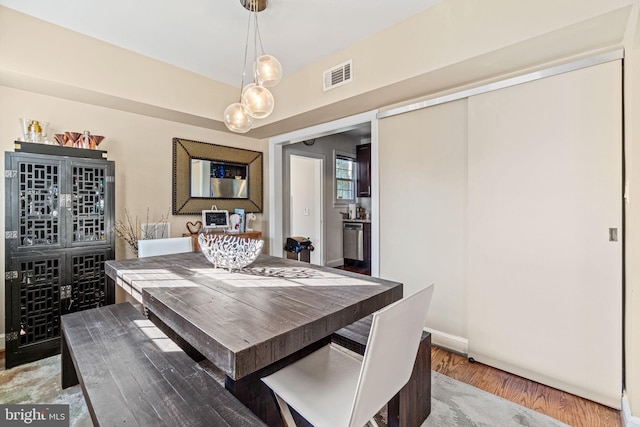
[[256, 101]]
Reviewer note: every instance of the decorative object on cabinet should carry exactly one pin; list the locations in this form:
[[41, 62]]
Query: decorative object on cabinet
[[132, 231], [194, 228], [60, 139], [59, 220], [242, 221], [230, 252], [214, 218], [24, 128], [79, 140], [363, 161], [94, 141], [34, 131], [250, 217], [235, 223], [71, 138], [200, 170]]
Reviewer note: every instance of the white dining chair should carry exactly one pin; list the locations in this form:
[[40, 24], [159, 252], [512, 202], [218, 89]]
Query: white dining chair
[[332, 387], [172, 245]]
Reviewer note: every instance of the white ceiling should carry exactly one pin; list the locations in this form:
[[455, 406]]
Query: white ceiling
[[208, 36]]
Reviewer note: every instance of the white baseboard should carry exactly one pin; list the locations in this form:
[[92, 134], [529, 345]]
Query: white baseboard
[[629, 420], [449, 342], [334, 263]]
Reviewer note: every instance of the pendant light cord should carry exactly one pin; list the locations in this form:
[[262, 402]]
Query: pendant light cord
[[255, 48], [259, 38], [246, 50]]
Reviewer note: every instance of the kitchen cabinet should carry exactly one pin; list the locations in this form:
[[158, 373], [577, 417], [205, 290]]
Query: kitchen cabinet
[[367, 243], [59, 222], [363, 162]]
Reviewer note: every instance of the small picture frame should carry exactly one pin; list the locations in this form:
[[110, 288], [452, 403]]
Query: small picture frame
[[215, 219]]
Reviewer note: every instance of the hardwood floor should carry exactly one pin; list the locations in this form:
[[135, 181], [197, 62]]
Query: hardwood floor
[[361, 268], [557, 404]]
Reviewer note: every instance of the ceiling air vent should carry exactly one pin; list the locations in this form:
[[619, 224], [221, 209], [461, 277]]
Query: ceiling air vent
[[338, 75]]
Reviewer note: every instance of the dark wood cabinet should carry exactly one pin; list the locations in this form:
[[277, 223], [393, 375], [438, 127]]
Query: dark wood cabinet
[[367, 243], [363, 162], [59, 221]]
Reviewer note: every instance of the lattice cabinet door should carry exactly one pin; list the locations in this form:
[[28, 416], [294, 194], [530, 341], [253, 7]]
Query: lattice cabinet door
[[35, 295], [34, 203], [87, 279], [91, 209]]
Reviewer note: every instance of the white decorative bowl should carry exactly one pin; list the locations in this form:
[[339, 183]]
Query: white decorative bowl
[[231, 252]]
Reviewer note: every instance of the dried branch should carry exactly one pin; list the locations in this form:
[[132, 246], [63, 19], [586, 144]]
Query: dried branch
[[131, 231]]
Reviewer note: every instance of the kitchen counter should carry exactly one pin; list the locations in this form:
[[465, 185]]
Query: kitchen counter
[[366, 221]]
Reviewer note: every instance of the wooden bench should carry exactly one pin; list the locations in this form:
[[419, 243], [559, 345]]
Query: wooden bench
[[132, 374], [412, 405]]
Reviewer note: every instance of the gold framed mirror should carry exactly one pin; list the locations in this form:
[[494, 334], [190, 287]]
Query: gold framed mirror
[[208, 174]]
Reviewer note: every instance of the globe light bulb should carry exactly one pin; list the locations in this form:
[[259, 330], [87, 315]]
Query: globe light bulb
[[247, 87], [268, 70], [258, 101], [237, 118]]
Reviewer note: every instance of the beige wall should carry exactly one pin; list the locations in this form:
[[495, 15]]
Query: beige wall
[[36, 55], [454, 44]]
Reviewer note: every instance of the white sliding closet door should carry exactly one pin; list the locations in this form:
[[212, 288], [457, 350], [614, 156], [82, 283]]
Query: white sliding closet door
[[422, 209], [544, 191]]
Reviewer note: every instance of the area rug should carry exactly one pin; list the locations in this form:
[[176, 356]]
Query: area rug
[[453, 404], [39, 383]]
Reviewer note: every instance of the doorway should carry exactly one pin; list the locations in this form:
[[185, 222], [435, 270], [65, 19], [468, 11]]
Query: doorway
[[278, 211]]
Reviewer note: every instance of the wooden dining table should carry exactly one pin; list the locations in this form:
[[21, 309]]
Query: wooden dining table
[[253, 321]]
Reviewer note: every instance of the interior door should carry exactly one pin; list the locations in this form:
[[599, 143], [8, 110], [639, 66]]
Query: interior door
[[305, 217], [544, 209]]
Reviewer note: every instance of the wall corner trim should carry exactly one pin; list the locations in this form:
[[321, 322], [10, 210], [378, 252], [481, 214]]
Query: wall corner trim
[[628, 419]]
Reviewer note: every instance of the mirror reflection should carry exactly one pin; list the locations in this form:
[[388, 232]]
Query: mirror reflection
[[219, 179]]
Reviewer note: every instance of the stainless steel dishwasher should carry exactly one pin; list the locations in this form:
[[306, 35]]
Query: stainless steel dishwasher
[[353, 240]]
